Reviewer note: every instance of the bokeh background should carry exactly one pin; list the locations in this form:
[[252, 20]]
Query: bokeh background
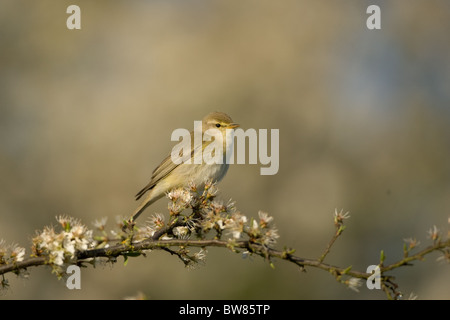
[[364, 120]]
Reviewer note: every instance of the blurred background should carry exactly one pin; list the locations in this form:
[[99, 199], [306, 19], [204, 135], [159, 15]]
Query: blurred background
[[86, 115]]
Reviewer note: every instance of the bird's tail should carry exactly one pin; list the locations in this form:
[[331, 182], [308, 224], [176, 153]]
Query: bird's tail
[[140, 209], [148, 201]]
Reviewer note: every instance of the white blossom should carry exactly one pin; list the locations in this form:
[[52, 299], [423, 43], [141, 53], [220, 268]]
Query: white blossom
[[264, 219], [157, 221], [201, 255], [354, 284], [181, 232], [63, 246], [433, 233], [236, 224], [340, 216], [270, 237], [100, 224]]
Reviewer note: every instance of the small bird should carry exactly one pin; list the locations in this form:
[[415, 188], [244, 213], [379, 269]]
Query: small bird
[[168, 175]]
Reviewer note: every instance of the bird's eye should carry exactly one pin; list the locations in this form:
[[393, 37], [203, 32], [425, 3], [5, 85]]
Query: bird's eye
[[218, 125]]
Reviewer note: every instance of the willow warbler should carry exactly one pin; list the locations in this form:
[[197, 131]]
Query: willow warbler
[[170, 175]]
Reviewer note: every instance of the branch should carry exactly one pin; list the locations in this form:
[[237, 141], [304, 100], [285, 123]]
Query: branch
[[30, 262], [75, 244]]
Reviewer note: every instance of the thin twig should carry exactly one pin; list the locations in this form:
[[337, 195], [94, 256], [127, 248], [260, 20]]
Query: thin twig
[[330, 244]]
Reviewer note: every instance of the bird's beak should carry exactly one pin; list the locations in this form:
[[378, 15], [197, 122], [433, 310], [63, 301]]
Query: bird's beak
[[233, 125]]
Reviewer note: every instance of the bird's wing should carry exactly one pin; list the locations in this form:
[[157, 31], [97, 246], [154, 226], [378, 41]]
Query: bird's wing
[[163, 170], [160, 172]]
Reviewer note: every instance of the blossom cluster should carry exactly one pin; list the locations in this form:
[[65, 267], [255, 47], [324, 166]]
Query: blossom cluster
[[10, 253], [209, 214], [60, 247]]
